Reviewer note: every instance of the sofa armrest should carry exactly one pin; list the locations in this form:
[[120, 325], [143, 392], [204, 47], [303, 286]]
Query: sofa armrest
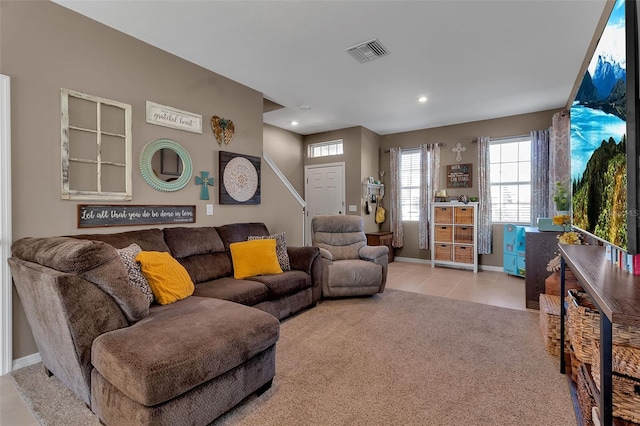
[[372, 253], [308, 259], [301, 258]]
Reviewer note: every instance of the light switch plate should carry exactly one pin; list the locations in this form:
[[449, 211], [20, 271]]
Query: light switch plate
[[209, 209], [353, 208]]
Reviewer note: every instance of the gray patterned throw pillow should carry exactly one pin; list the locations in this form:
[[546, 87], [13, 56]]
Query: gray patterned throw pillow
[[136, 278], [281, 248]]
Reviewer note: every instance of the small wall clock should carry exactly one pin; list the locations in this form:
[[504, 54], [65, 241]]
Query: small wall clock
[[239, 178]]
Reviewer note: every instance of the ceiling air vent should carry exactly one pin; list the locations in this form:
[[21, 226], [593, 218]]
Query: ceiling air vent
[[367, 51]]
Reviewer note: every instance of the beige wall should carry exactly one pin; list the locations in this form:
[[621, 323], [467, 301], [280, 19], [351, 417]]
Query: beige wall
[[285, 149], [361, 155], [450, 136], [351, 138], [45, 47], [369, 156]]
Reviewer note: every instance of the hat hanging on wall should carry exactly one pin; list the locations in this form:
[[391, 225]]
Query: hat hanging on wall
[[223, 129]]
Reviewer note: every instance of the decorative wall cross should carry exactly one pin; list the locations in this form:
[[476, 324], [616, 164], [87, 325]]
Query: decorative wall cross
[[205, 181], [458, 149]]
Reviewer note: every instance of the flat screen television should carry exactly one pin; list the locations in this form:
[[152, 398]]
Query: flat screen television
[[604, 164]]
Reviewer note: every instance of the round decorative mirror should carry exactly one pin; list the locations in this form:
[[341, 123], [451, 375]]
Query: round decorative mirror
[[165, 165]]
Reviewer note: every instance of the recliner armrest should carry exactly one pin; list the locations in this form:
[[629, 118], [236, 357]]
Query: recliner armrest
[[371, 253], [326, 254]]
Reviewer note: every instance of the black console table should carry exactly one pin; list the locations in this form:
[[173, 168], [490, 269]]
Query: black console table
[[616, 294]]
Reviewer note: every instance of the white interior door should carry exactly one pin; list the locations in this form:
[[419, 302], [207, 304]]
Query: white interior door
[[324, 192]]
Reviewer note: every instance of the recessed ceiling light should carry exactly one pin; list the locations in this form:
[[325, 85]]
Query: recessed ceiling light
[[294, 123], [304, 107], [422, 99]]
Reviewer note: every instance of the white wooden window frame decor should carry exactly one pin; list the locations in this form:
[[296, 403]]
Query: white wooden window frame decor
[[174, 118], [68, 157]]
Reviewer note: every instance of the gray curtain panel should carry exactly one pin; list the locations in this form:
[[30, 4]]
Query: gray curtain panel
[[396, 206], [484, 189], [539, 175], [559, 154], [429, 182]]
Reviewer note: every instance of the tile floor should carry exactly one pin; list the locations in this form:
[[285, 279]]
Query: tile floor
[[488, 287], [491, 288]]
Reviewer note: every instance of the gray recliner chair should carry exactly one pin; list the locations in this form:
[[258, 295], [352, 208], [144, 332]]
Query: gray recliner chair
[[349, 266]]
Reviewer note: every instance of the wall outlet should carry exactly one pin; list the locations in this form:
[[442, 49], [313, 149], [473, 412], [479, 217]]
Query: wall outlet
[[209, 209], [353, 208]]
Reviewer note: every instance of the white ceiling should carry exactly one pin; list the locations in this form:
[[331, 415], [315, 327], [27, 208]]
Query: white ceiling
[[474, 60]]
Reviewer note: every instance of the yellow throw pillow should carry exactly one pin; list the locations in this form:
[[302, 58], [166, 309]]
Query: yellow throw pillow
[[168, 279], [256, 257]]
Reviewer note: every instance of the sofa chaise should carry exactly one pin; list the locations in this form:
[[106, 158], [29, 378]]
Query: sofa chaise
[[133, 362]]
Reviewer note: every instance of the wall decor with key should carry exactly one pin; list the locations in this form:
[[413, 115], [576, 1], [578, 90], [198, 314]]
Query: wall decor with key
[[239, 178]]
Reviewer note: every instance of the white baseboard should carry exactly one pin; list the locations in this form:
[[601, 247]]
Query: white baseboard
[[412, 260], [26, 361], [491, 268], [428, 262]]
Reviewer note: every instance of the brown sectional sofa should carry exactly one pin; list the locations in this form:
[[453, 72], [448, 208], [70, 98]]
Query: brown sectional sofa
[[183, 363]]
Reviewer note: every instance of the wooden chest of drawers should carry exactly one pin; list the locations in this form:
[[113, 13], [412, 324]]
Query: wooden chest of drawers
[[381, 239]]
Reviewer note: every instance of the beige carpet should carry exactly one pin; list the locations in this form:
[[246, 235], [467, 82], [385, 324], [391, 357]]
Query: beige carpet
[[393, 359]]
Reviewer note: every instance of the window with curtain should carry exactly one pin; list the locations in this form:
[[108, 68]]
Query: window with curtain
[[410, 185], [510, 175]]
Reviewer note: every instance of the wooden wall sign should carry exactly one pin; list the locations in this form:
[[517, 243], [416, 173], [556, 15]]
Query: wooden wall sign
[[94, 216], [459, 176], [167, 116]]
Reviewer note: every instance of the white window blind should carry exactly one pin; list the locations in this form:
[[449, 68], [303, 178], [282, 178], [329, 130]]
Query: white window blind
[[410, 185], [511, 180]]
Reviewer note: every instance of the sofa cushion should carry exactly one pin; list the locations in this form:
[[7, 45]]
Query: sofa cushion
[[237, 232], [148, 239], [284, 284], [94, 261], [256, 257], [281, 248], [201, 252], [206, 267], [240, 291], [354, 273], [185, 242], [180, 346], [136, 277], [168, 279]]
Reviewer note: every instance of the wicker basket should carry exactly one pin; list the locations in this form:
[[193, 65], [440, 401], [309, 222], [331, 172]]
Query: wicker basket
[[444, 234], [575, 363], [463, 215], [586, 400], [443, 215], [463, 254], [584, 327], [444, 252], [550, 324], [626, 388], [464, 234]]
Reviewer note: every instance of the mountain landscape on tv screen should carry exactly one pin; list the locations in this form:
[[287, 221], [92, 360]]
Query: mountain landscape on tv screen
[[598, 139]]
